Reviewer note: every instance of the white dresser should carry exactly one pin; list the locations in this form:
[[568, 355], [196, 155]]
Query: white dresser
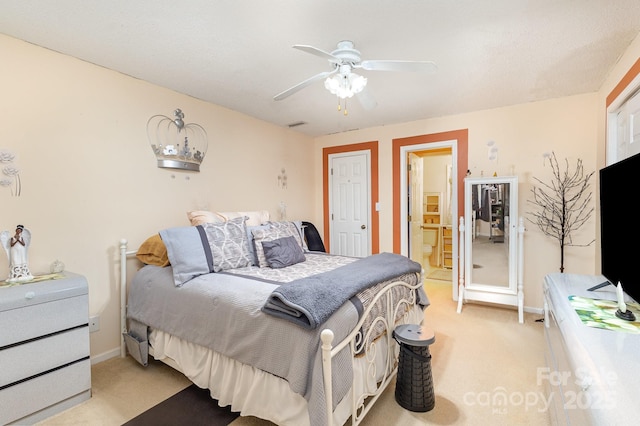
[[44, 348], [592, 375]]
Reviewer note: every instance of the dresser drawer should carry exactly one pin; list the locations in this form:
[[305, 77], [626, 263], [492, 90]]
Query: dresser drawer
[[28, 322], [26, 398], [44, 348], [42, 355], [65, 286], [553, 387]]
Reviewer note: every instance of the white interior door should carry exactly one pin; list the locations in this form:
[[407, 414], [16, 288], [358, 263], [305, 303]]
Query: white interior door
[[349, 204], [415, 176]]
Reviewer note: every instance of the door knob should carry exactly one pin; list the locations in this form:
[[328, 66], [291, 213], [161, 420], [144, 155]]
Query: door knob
[[363, 226]]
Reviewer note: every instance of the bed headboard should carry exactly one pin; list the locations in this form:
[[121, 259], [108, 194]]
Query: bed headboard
[[124, 255]]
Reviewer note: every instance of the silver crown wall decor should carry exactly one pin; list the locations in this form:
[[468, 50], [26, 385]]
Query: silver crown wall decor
[[177, 145]]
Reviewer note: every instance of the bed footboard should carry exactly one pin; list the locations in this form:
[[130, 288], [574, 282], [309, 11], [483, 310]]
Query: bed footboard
[[379, 374]]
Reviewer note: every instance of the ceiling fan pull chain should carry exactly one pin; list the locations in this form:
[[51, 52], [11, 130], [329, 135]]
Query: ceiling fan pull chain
[[340, 106]]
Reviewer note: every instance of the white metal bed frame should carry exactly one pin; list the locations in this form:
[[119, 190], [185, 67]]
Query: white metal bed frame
[[356, 341]]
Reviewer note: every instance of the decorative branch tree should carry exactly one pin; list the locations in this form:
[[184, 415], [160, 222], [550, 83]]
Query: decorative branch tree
[[564, 205]]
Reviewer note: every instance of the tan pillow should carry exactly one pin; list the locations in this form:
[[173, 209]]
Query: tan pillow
[[153, 252], [199, 217], [254, 218]]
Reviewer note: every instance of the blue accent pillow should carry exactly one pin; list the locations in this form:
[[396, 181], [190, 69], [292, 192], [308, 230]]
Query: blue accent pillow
[[189, 252]]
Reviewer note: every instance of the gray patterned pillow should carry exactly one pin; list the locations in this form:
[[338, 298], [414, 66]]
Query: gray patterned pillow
[[294, 228], [229, 244], [269, 234], [252, 246]]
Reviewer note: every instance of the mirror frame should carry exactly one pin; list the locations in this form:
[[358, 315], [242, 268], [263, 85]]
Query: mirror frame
[[486, 291]]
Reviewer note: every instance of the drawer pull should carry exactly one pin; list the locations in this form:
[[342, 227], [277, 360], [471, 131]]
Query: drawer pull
[[29, 295]]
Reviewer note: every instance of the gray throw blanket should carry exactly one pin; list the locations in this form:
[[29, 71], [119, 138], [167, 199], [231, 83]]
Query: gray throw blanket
[[309, 301]]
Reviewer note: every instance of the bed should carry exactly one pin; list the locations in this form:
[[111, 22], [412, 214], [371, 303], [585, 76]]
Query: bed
[[233, 304]]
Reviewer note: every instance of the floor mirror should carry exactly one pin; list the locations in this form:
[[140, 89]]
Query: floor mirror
[[491, 243]]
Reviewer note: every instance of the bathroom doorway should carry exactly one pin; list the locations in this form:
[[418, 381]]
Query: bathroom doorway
[[457, 142], [436, 219]]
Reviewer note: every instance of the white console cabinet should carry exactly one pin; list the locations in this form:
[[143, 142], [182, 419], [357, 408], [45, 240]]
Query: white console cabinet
[[592, 375], [44, 348]]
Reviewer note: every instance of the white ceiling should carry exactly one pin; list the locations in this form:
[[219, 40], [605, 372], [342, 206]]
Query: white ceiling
[[238, 53]]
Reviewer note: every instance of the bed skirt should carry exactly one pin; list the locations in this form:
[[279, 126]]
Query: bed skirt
[[253, 392]]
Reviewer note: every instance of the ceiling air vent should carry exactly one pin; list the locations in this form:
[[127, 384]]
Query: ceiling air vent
[[296, 124]]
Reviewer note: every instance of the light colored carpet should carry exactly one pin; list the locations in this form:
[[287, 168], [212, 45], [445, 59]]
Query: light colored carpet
[[478, 356], [120, 390]]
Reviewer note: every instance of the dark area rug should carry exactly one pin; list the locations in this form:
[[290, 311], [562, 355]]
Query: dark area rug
[[192, 406]]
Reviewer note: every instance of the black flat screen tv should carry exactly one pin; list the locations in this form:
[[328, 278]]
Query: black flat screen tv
[[619, 227]]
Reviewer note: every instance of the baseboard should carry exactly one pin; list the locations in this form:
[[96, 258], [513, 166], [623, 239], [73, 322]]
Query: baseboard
[[95, 359], [532, 310], [527, 309]]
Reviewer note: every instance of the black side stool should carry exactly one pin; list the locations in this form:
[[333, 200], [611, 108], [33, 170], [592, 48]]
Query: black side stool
[[414, 384]]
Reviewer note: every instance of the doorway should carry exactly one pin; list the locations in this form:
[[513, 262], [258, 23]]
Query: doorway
[[374, 226], [457, 142], [433, 246]]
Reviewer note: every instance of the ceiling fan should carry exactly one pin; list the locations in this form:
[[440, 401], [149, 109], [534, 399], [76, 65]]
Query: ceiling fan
[[341, 80]]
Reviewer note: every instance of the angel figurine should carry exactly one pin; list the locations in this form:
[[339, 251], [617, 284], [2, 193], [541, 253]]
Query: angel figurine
[[17, 248]]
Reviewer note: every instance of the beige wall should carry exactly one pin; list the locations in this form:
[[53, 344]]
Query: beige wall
[[572, 127], [567, 126], [435, 180], [89, 177]]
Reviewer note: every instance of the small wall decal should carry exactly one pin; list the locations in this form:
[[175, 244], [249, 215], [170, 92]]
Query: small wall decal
[[9, 173]]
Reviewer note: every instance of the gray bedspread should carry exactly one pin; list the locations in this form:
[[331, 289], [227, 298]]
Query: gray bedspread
[[309, 301], [222, 312]]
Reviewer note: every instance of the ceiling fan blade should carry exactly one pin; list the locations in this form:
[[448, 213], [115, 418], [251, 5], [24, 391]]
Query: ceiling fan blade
[[366, 99], [290, 91], [411, 66], [317, 52]]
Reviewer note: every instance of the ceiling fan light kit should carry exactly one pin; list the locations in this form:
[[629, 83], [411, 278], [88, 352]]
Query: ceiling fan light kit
[[345, 85], [342, 81]]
